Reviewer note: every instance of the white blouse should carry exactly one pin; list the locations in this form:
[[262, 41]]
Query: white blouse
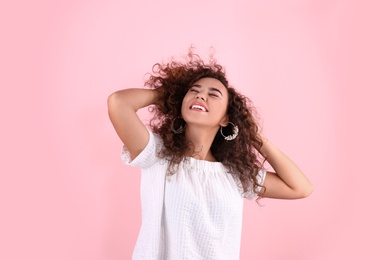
[[194, 214]]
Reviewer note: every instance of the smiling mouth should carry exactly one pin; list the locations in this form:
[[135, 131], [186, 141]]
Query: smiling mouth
[[198, 107]]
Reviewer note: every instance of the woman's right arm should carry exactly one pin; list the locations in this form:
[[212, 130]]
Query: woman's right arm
[[122, 110]]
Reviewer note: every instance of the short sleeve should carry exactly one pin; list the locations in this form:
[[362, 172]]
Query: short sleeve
[[146, 158], [260, 178]]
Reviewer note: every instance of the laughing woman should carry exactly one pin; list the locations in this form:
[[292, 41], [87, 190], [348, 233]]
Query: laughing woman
[[203, 154]]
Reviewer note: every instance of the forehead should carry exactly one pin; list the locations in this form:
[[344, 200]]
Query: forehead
[[211, 83]]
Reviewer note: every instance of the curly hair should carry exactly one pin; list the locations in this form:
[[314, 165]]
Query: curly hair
[[241, 156]]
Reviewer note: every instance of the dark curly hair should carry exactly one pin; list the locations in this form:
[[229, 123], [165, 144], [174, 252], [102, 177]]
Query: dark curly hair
[[240, 156]]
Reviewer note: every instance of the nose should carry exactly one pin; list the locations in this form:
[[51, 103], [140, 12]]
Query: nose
[[201, 96]]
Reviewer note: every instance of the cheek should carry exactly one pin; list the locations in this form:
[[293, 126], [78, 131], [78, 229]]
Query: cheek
[[220, 111], [225, 106], [184, 103]]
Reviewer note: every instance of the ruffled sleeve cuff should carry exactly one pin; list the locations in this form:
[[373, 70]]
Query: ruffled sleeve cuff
[[146, 158], [260, 178]]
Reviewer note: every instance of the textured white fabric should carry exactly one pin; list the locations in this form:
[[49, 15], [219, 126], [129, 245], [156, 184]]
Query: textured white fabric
[[194, 214]]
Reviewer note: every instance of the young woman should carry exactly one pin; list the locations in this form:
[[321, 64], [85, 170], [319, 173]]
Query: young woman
[[203, 154]]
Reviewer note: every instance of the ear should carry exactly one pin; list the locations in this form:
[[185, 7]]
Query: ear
[[224, 121]]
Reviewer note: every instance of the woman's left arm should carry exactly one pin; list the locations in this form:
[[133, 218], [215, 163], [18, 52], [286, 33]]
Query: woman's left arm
[[288, 181]]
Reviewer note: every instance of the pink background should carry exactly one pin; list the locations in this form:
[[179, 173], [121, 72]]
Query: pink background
[[318, 71]]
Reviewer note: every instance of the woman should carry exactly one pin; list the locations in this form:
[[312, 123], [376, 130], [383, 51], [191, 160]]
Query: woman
[[203, 155]]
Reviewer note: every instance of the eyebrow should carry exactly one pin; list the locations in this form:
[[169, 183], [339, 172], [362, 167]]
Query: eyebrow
[[211, 89]]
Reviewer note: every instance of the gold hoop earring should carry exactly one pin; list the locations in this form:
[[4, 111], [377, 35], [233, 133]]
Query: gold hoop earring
[[233, 135]]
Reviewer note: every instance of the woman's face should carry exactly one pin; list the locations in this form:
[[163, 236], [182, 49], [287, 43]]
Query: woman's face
[[206, 103]]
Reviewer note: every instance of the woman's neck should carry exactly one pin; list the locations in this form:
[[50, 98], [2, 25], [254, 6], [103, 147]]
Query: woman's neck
[[200, 140]]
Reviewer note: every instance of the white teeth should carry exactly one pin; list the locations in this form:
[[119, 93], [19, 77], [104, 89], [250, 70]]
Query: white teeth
[[198, 107]]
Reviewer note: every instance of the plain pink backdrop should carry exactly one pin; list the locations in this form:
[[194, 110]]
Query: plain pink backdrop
[[318, 72]]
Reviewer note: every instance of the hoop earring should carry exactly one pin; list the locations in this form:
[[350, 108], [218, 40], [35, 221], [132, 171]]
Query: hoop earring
[[232, 136], [180, 129]]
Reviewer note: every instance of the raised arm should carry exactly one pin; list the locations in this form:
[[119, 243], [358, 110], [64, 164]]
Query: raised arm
[[122, 108], [288, 181]]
